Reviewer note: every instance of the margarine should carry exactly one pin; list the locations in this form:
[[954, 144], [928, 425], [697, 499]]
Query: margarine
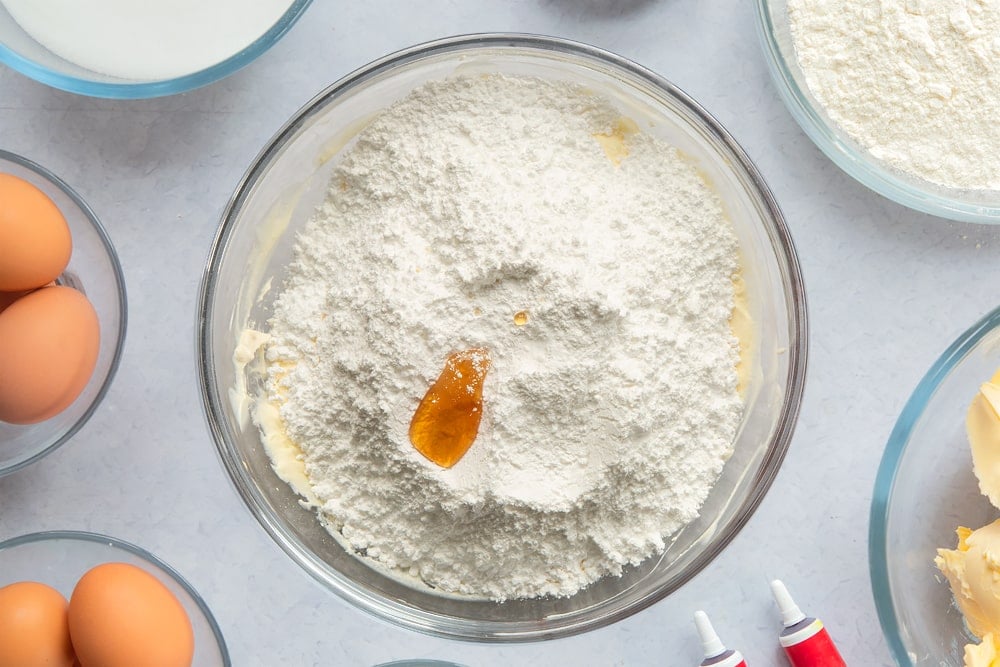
[[983, 425]]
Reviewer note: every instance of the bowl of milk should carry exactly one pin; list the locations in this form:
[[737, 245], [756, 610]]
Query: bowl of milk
[[127, 50]]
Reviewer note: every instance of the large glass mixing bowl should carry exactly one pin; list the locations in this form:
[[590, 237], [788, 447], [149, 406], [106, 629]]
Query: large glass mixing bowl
[[289, 178]]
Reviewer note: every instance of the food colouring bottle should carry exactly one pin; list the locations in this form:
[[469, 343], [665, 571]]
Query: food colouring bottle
[[805, 641], [716, 654]]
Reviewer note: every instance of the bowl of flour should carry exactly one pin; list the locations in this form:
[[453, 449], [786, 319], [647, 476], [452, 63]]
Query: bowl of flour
[[605, 261], [903, 96], [124, 49]]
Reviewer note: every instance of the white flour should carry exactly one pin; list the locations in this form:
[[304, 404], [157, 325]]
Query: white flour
[[608, 416], [145, 39], [916, 82]]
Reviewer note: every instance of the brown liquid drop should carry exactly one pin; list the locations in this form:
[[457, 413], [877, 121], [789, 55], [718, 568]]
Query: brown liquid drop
[[446, 422], [521, 318]]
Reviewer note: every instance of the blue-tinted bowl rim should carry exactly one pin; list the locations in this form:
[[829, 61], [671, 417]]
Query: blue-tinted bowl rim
[[864, 169], [97, 538], [885, 479], [130, 90], [122, 305]]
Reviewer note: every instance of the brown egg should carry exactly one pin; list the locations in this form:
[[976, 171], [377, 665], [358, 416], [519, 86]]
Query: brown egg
[[49, 341], [7, 298], [122, 616], [33, 627], [35, 242]]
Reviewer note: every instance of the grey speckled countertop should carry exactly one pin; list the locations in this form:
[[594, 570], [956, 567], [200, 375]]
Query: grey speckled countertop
[[888, 290]]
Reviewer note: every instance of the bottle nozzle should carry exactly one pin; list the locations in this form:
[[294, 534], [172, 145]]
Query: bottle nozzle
[[790, 612], [710, 641]]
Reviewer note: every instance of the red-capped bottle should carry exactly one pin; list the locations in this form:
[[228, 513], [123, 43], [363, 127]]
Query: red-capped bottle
[[716, 655], [805, 641]]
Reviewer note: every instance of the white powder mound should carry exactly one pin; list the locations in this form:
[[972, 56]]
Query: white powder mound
[[915, 82], [608, 416]]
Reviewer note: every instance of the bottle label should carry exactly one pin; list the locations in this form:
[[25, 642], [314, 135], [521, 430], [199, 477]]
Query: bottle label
[[817, 650]]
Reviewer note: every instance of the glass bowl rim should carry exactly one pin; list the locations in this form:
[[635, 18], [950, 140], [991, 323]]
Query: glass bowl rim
[[866, 170], [133, 90], [885, 478], [454, 627], [98, 538], [122, 305]]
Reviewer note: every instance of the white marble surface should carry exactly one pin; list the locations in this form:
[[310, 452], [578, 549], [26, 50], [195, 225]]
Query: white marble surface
[[888, 289]]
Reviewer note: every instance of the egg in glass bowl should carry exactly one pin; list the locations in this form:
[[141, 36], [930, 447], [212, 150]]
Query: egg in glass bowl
[[88, 340], [122, 604], [254, 248]]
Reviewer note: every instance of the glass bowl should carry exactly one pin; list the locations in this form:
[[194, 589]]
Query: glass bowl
[[924, 489], [289, 178], [94, 270], [779, 51], [20, 51], [59, 558]]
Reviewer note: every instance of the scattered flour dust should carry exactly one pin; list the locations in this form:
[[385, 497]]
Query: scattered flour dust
[[608, 415], [915, 82]]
